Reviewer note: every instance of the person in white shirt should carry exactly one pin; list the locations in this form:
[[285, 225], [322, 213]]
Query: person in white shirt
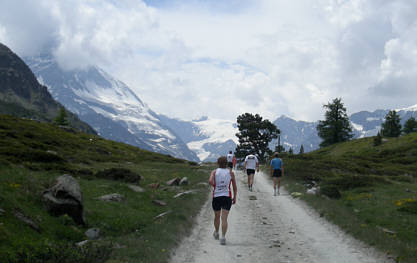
[[229, 157], [220, 179], [251, 163]]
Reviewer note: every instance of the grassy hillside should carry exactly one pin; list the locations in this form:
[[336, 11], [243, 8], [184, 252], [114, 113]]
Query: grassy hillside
[[377, 187], [33, 155]]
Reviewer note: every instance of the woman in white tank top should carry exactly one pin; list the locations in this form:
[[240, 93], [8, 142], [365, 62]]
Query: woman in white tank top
[[221, 179]]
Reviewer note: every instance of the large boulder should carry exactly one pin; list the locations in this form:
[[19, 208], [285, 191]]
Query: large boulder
[[65, 197]]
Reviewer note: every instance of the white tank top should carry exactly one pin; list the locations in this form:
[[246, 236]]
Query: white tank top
[[229, 157], [222, 180]]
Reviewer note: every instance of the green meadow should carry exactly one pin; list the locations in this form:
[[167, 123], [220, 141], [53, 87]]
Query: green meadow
[[369, 191], [34, 154]]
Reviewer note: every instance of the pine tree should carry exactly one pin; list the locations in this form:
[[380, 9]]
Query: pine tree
[[301, 149], [336, 127], [291, 151], [378, 139], [410, 126], [391, 127], [62, 118], [254, 135]]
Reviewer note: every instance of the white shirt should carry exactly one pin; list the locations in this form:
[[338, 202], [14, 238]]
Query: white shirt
[[251, 161], [229, 157], [222, 180]]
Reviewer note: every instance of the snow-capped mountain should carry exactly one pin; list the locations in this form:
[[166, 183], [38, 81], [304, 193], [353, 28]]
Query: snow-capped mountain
[[109, 106], [208, 138], [296, 133], [364, 124]]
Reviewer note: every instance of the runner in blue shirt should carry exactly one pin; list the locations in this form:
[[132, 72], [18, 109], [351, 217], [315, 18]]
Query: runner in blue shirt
[[276, 171]]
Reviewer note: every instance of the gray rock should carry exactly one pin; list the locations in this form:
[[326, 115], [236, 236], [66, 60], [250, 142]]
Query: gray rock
[[136, 188], [115, 197], [174, 181], [159, 202], [92, 233], [2, 212], [184, 181], [184, 193], [65, 197], [27, 221], [82, 243]]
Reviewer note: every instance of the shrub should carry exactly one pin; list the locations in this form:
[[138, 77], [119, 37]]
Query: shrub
[[120, 174], [330, 191]]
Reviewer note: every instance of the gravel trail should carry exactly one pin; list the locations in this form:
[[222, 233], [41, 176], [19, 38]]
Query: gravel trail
[[267, 228]]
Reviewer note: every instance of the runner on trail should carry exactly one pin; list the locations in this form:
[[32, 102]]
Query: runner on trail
[[251, 163], [234, 161], [277, 171], [230, 160], [220, 179]]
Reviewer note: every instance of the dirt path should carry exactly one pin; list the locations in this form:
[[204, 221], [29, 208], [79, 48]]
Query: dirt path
[[271, 229]]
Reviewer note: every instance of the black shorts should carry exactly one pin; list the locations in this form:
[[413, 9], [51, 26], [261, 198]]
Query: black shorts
[[250, 171], [221, 202], [277, 173], [230, 164]]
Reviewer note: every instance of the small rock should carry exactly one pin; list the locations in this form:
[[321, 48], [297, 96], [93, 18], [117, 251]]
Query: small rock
[[184, 181], [356, 210], [27, 221], [203, 183], [312, 191], [93, 233], [252, 197], [136, 188], [2, 212], [238, 255], [52, 152], [175, 181], [159, 202], [162, 214], [82, 243], [184, 193], [115, 197]]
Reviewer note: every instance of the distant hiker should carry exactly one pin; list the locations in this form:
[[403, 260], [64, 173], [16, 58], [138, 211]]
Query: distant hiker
[[251, 163], [277, 171], [220, 179], [234, 161], [230, 160]]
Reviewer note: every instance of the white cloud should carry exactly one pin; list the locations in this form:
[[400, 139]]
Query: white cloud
[[223, 58]]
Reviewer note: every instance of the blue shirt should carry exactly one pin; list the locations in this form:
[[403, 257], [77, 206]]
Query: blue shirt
[[276, 163]]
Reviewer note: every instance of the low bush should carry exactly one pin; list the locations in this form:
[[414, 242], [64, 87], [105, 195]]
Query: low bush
[[330, 191], [121, 174]]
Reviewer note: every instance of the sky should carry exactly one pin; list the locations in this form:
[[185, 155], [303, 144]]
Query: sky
[[189, 58]]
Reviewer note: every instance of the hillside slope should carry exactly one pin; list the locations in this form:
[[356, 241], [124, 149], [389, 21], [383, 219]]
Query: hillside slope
[[34, 154], [369, 191]]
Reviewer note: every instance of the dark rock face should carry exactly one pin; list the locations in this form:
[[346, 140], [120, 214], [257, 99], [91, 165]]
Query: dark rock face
[[65, 197], [21, 95]]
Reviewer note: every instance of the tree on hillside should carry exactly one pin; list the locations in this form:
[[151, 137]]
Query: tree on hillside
[[254, 135], [291, 151], [391, 127], [62, 118], [336, 127], [301, 149], [279, 148], [378, 139], [410, 126]]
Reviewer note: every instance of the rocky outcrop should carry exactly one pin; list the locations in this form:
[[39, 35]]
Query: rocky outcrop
[[65, 197]]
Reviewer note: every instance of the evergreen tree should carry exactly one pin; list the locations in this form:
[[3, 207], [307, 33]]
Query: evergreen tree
[[254, 135], [410, 126], [391, 127], [291, 151], [336, 127], [301, 149], [378, 139], [279, 149], [62, 118]]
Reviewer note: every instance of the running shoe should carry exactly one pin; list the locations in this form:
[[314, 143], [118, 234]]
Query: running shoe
[[216, 235], [223, 241]]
